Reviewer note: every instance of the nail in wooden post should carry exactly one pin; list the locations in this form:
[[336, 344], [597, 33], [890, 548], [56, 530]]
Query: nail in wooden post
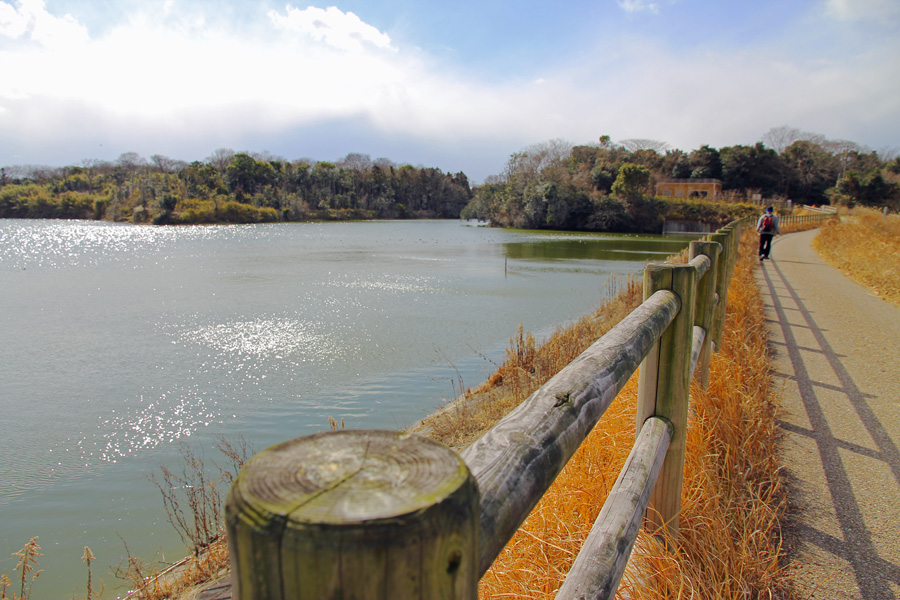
[[354, 514], [706, 298], [663, 386]]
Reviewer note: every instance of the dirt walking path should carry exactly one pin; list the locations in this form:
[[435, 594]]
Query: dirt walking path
[[837, 350]]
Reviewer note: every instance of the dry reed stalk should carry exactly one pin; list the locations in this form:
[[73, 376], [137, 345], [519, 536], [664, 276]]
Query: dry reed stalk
[[200, 489], [732, 502], [27, 562], [866, 248], [180, 580]]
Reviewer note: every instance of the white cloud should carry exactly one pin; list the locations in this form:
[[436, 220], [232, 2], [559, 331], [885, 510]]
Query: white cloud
[[173, 74], [633, 6], [340, 30], [31, 22], [169, 67], [854, 10], [179, 77], [693, 97]]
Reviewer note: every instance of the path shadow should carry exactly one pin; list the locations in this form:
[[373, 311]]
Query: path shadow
[[874, 575]]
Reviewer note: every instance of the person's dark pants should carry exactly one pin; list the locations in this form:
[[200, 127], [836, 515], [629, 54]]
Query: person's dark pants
[[765, 244]]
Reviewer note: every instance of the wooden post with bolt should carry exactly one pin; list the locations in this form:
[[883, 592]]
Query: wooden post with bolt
[[663, 386], [354, 514]]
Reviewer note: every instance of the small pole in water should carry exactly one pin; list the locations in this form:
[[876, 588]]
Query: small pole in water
[[505, 266]]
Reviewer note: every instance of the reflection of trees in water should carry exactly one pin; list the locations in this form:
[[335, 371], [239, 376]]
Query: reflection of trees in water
[[624, 248]]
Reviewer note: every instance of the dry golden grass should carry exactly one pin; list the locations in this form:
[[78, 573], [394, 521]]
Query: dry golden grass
[[732, 501], [730, 545], [866, 248], [181, 580], [535, 562]]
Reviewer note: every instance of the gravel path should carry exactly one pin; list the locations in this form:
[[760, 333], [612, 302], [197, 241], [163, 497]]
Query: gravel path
[[837, 351]]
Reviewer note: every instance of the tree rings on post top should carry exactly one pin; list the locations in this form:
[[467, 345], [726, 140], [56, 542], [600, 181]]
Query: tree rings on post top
[[351, 512], [351, 476]]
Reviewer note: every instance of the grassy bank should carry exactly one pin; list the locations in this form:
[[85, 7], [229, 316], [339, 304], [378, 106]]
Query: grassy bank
[[866, 248], [733, 499]]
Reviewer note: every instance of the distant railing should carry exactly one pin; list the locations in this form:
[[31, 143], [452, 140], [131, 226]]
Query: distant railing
[[818, 219], [824, 209], [379, 514]]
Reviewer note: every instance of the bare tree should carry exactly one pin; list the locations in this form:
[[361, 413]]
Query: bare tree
[[310, 162], [41, 172], [266, 156], [779, 138], [220, 158], [356, 162], [635, 144], [130, 161], [843, 150], [554, 151], [888, 153], [534, 159], [165, 164], [18, 171], [384, 163]]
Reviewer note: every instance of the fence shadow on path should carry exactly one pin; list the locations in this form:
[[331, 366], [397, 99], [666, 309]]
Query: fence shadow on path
[[875, 577]]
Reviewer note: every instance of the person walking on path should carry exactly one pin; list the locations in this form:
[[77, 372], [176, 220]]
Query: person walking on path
[[767, 228], [837, 353]]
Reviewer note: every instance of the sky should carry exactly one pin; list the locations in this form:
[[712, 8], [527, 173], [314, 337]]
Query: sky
[[455, 85]]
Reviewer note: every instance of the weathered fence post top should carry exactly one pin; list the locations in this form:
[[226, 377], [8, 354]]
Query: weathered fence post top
[[361, 514]]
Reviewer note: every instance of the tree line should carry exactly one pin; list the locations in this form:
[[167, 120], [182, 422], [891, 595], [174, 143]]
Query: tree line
[[603, 186], [236, 187], [610, 186]]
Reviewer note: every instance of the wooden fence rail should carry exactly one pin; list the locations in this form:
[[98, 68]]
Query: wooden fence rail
[[387, 515], [826, 215]]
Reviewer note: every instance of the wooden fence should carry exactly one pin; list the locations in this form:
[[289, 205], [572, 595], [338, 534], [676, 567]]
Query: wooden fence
[[818, 219], [380, 514], [826, 209]]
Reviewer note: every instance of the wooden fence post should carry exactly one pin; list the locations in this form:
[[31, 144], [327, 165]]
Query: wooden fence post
[[706, 300], [663, 386], [715, 333], [354, 514]]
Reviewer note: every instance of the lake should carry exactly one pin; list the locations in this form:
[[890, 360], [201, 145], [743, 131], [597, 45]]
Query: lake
[[119, 342]]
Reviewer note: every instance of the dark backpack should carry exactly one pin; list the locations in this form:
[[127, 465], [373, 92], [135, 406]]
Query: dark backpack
[[768, 223]]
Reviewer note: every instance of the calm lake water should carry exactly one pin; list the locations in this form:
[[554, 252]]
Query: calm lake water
[[118, 342]]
